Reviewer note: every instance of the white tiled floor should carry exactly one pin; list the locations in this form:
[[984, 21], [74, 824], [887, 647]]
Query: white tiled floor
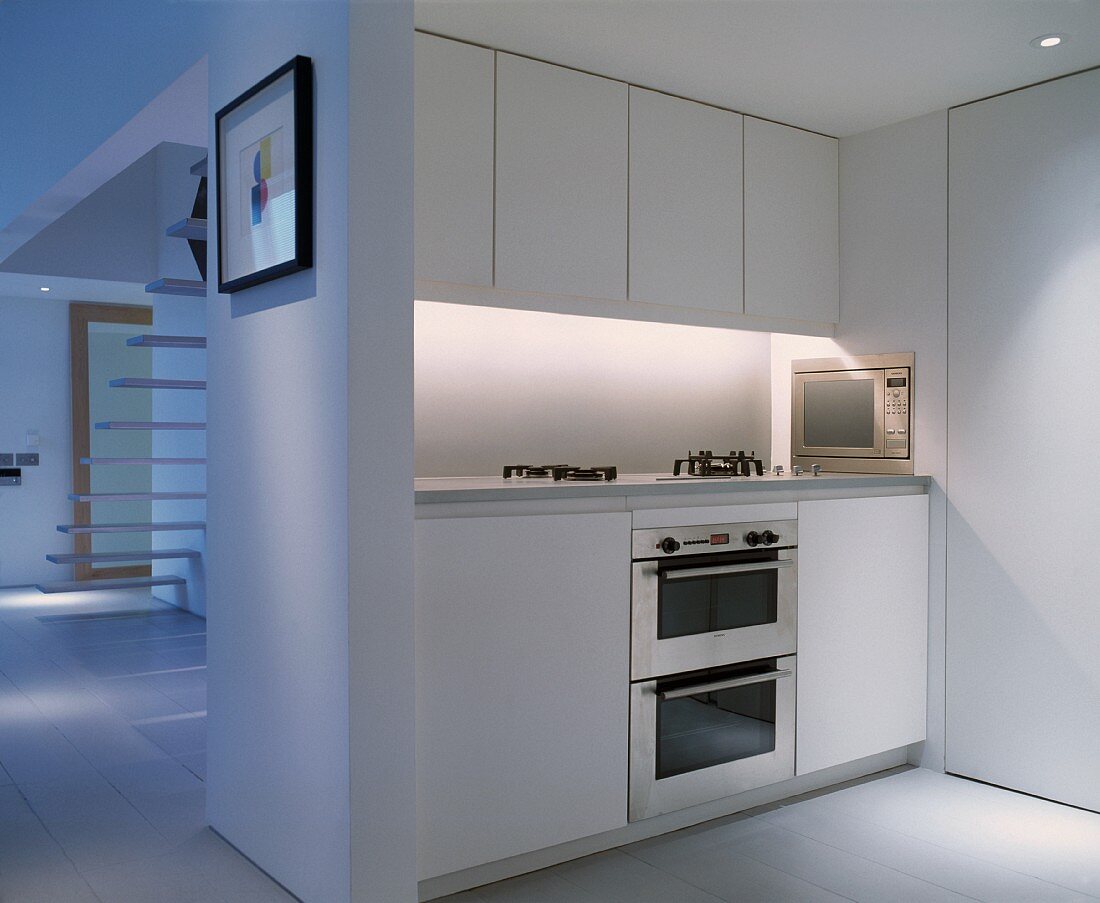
[[102, 756], [102, 762], [908, 836]]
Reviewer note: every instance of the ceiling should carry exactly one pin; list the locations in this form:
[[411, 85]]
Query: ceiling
[[833, 66]]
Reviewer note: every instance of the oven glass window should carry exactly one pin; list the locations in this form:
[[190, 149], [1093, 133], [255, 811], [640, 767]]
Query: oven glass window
[[721, 602], [840, 413], [695, 732]]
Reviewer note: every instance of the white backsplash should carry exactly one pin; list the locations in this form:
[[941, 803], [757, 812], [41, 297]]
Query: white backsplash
[[496, 387]]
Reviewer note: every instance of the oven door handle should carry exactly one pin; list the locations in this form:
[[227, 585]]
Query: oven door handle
[[688, 573], [712, 687]]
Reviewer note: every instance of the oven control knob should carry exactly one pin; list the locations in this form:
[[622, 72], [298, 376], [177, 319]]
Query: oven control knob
[[753, 538], [669, 545], [769, 538]]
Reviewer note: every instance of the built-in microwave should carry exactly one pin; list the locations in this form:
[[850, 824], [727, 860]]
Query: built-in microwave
[[853, 414]]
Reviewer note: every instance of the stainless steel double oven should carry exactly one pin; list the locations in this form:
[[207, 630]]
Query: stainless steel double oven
[[713, 633]]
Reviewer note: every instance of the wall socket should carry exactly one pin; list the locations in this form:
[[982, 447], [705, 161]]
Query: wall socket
[[26, 459], [7, 459]]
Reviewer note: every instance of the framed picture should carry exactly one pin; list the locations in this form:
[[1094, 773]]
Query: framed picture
[[264, 155]]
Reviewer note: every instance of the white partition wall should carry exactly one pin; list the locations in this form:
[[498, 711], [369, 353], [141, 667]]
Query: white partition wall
[[1023, 680]]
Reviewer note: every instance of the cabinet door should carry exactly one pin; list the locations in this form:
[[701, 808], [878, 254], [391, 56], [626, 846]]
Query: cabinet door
[[792, 257], [561, 173], [453, 161], [523, 678], [862, 627], [685, 203]]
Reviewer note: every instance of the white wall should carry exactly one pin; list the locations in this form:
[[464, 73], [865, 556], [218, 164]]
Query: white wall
[[1023, 673], [34, 395], [893, 297], [380, 471], [277, 559], [497, 387]]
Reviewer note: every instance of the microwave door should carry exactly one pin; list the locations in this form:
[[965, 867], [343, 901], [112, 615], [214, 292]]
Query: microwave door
[[839, 414]]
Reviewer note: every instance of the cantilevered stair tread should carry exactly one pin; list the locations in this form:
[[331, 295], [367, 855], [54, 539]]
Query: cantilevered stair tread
[[194, 288], [135, 496], [199, 169], [155, 461], [148, 425], [80, 586], [137, 555], [167, 341], [133, 528], [142, 382], [191, 227]]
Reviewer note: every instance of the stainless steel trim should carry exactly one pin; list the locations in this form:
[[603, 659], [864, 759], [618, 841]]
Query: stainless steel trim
[[689, 573], [798, 414], [649, 796], [646, 542], [714, 686], [653, 657], [880, 459]]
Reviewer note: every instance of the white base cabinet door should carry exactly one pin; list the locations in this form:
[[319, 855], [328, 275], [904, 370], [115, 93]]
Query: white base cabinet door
[[523, 670], [862, 628]]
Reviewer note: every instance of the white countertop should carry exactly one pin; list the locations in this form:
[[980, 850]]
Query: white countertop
[[431, 490]]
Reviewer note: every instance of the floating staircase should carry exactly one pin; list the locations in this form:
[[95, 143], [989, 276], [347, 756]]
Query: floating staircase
[[148, 425], [153, 461], [132, 528], [194, 288], [82, 586], [193, 229], [141, 382], [135, 496], [167, 341]]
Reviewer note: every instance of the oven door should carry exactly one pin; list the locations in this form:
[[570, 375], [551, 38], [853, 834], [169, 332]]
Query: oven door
[[694, 612], [838, 414], [714, 733]]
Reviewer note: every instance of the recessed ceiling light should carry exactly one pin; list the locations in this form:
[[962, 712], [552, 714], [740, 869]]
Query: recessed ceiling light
[[1049, 40], [44, 288]]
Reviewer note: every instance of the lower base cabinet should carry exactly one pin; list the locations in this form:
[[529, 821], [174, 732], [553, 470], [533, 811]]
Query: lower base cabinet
[[523, 670], [862, 628]]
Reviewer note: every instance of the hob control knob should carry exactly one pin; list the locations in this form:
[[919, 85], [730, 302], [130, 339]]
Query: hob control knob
[[753, 538], [669, 545], [769, 538]]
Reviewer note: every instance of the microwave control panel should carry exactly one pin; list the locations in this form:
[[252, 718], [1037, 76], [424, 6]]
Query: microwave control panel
[[896, 421]]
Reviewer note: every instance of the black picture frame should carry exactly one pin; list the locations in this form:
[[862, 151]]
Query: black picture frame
[[300, 70]]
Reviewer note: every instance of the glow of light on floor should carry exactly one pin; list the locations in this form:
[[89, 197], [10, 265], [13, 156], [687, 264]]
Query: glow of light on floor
[[161, 719]]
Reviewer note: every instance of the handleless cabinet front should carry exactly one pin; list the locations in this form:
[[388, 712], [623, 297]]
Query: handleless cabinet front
[[561, 180], [862, 627], [792, 256], [522, 680], [685, 203], [453, 161]]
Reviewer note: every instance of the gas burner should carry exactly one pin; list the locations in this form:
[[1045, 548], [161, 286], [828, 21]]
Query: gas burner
[[586, 474], [708, 464], [534, 471]]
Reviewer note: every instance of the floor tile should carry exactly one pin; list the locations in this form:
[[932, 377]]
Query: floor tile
[[195, 763], [226, 869], [163, 880], [93, 823], [614, 877]]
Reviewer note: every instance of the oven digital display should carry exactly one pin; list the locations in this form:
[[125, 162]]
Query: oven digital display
[[719, 539], [896, 382]]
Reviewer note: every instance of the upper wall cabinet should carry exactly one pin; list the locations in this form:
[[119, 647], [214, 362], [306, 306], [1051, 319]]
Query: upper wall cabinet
[[561, 176], [454, 161], [791, 233], [685, 203]]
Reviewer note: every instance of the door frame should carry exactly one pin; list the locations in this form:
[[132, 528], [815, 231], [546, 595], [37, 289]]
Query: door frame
[[80, 315]]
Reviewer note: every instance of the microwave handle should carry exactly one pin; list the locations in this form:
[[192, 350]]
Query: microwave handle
[[688, 573], [766, 677]]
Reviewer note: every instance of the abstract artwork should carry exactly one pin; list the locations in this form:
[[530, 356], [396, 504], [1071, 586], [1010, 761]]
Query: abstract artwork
[[265, 179]]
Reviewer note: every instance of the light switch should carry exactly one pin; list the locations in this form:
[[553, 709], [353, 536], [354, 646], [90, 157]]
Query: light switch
[[33, 439]]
